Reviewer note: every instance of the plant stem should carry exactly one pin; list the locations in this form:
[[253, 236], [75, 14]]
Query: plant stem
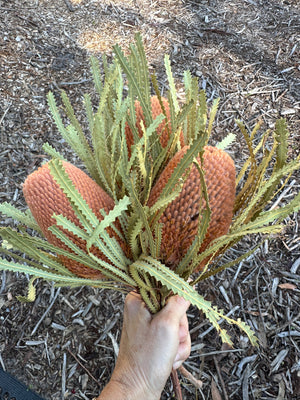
[[176, 384]]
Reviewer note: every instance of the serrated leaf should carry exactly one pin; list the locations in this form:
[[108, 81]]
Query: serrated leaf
[[85, 215], [50, 276], [212, 116], [263, 189], [25, 218], [179, 286], [142, 212], [107, 221], [96, 74], [70, 226], [32, 247], [226, 142], [133, 82], [215, 270], [133, 232], [281, 136], [51, 151], [170, 77], [111, 271]]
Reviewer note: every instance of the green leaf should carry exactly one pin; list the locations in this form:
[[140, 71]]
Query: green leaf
[[179, 286], [213, 113], [133, 83], [108, 220], [73, 134], [202, 112], [144, 82], [161, 204], [170, 77], [85, 215], [134, 231], [87, 102], [226, 142], [142, 212], [102, 154], [114, 273], [32, 246], [25, 218], [215, 270], [95, 69], [263, 189], [51, 151], [255, 151], [231, 238], [50, 276], [281, 136]]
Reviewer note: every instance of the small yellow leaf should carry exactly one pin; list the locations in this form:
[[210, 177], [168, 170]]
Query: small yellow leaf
[[31, 293]]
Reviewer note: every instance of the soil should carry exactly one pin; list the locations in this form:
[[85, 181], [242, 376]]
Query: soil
[[246, 52]]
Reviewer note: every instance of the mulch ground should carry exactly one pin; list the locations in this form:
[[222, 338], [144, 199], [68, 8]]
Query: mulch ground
[[244, 51]]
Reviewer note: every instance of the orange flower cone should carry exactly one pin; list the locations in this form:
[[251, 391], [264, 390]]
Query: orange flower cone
[[44, 198], [180, 219]]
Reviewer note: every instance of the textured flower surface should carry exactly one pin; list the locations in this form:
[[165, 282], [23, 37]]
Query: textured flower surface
[[180, 219], [44, 198]]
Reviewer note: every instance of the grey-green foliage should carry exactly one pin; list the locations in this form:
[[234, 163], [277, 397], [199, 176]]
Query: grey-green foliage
[[128, 172]]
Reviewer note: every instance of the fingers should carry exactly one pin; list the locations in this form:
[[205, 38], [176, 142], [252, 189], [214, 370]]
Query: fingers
[[183, 352], [183, 328], [136, 308], [177, 306]]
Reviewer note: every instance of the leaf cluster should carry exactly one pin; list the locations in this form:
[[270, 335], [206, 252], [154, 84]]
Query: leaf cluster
[[128, 175]]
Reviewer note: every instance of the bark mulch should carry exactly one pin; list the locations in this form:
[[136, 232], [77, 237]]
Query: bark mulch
[[246, 52]]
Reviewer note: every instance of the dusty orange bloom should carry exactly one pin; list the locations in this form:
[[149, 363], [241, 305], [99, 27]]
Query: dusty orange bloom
[[180, 219], [44, 198]]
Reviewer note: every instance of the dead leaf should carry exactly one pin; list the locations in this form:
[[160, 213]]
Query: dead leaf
[[289, 286], [215, 394]]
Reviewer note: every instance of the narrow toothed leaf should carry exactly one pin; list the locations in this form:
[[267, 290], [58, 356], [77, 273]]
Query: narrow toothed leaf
[[32, 246], [179, 286], [212, 116], [226, 142], [81, 208], [52, 152], [25, 218], [173, 90], [47, 275], [108, 220]]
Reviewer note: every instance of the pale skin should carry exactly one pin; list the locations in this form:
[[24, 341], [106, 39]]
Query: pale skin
[[150, 347]]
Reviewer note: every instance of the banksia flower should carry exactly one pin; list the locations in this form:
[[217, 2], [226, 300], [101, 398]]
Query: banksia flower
[[162, 130], [180, 219], [44, 198], [153, 241]]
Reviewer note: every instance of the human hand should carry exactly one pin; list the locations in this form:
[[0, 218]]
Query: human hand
[[150, 346]]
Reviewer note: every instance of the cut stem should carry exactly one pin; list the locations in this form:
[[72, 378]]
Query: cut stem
[[176, 384]]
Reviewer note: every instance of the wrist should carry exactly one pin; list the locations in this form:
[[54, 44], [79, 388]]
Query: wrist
[[116, 391], [112, 391], [129, 388]]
